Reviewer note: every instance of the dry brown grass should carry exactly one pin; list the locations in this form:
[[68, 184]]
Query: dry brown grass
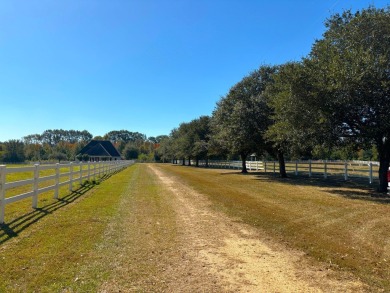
[[335, 222]]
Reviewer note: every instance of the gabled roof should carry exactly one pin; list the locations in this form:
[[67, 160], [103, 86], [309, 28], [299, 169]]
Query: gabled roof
[[100, 148]]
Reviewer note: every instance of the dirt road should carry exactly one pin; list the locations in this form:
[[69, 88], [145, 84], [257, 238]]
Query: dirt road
[[212, 252]]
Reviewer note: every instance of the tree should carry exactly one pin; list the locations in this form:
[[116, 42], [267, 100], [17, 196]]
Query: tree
[[350, 84], [200, 130], [297, 126], [124, 136], [58, 156], [164, 150], [13, 151], [242, 117], [183, 141], [130, 152]]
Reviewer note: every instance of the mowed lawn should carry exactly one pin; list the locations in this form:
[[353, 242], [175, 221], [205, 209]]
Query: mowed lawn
[[70, 245], [336, 222]]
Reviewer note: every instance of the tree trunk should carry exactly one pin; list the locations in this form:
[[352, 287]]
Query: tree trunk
[[197, 162], [207, 162], [282, 165], [243, 159], [183, 162], [384, 160], [189, 161]]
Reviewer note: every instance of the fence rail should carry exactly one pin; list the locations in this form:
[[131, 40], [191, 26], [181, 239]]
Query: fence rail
[[17, 183], [250, 165], [344, 169]]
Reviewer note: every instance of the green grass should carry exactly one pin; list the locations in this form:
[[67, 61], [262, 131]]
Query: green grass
[[106, 236], [332, 221], [43, 249]]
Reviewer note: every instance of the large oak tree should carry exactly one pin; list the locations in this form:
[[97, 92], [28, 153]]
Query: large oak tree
[[349, 87], [242, 116]]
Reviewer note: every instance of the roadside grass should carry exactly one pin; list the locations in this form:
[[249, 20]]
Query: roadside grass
[[120, 235], [45, 249], [334, 222]]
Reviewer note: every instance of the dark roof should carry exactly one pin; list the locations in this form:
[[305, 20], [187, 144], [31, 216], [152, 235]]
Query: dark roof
[[100, 148]]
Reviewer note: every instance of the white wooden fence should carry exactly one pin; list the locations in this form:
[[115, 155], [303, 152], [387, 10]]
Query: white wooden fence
[[344, 169], [43, 178], [250, 165]]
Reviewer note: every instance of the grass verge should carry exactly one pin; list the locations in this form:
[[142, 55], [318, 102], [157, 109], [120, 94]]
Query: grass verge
[[118, 236], [53, 243]]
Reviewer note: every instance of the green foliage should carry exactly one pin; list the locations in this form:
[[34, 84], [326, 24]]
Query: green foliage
[[55, 136], [241, 119], [85, 157], [130, 152], [146, 158], [293, 130], [351, 82], [124, 136], [58, 156], [13, 151]]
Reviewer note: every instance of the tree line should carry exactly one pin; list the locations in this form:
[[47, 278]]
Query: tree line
[[65, 145], [332, 104]]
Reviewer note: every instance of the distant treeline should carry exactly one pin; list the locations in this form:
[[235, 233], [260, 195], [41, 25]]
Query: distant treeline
[[64, 145]]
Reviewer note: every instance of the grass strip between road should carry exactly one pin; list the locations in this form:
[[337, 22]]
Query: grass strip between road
[[334, 222]]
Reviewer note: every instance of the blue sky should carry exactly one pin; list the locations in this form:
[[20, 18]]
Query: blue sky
[[141, 65]]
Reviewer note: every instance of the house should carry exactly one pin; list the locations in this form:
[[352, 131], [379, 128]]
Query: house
[[100, 150]]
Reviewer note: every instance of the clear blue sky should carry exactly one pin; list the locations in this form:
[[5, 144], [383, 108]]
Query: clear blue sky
[[141, 65]]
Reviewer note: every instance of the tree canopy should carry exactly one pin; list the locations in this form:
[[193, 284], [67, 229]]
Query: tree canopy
[[241, 118], [350, 84]]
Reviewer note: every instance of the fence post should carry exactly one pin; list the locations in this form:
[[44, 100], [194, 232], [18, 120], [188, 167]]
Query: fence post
[[94, 171], [345, 171], [3, 170], [325, 169], [274, 167], [81, 173], [309, 168], [56, 191], [89, 170], [296, 168], [70, 176], [35, 195], [265, 166], [370, 172]]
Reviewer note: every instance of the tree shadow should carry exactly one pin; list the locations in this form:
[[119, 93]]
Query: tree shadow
[[352, 188], [353, 194], [13, 228]]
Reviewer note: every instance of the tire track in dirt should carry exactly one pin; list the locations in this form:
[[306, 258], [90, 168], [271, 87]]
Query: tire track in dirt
[[241, 258]]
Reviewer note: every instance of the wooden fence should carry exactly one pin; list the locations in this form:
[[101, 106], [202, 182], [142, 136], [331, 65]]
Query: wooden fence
[[250, 165], [343, 169], [38, 179]]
